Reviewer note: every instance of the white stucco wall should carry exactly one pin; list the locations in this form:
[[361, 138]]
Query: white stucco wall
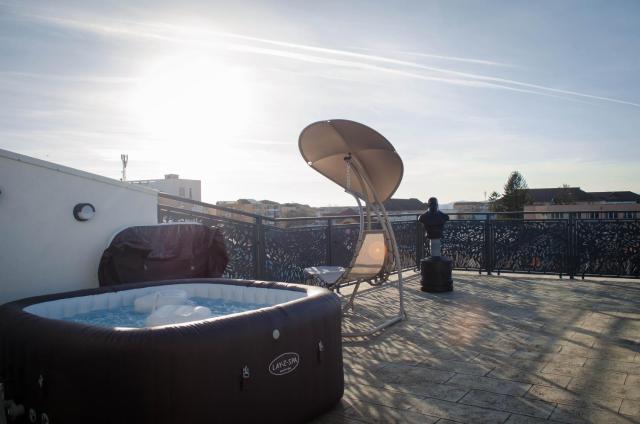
[[43, 249]]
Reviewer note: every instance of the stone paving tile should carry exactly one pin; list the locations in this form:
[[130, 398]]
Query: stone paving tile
[[375, 395], [626, 348], [459, 412], [564, 369], [523, 364], [393, 356], [628, 367], [557, 358], [519, 405], [591, 374], [519, 375], [493, 357], [494, 385], [457, 366], [584, 338], [567, 397], [630, 407], [354, 376], [426, 389], [373, 413], [351, 361], [633, 380], [412, 375], [455, 354], [523, 419], [575, 414], [608, 352], [625, 391]]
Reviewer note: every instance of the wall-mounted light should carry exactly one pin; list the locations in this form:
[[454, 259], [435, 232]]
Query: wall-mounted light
[[84, 211]]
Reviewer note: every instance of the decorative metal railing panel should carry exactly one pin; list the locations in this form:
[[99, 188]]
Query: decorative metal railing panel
[[530, 246], [343, 243], [464, 243], [608, 247], [561, 246], [406, 238], [289, 251], [240, 241]]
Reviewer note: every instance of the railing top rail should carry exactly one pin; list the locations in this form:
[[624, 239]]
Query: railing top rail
[[325, 218], [203, 215], [487, 214], [212, 206]]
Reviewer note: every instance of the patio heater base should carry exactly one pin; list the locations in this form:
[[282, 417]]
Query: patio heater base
[[436, 274]]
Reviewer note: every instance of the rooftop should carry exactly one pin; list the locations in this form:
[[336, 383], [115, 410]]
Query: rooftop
[[616, 196], [498, 349], [411, 204], [576, 194], [558, 194]]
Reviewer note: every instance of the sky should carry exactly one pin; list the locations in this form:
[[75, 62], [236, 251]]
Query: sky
[[466, 91]]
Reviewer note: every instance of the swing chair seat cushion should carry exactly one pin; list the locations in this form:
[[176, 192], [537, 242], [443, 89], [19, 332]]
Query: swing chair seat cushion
[[326, 274]]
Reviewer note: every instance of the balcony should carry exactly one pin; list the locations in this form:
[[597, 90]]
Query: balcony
[[503, 347]]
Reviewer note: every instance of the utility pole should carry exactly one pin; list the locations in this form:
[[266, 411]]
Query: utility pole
[[124, 159]]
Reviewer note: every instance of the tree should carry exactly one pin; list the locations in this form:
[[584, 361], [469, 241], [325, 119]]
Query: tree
[[494, 201], [515, 195], [565, 196], [494, 196]]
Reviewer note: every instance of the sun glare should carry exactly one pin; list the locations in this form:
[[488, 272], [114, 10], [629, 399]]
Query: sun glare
[[189, 99]]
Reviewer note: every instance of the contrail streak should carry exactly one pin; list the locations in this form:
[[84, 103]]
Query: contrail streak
[[166, 32]]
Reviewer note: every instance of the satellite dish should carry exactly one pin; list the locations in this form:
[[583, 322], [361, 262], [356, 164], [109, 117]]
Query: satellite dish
[[325, 145]]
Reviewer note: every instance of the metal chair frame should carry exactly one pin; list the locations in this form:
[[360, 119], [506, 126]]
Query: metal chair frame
[[373, 208]]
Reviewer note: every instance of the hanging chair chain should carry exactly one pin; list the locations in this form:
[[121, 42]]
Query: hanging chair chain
[[347, 160]]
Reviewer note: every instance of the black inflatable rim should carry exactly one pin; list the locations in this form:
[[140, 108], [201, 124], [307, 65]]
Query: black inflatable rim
[[17, 308]]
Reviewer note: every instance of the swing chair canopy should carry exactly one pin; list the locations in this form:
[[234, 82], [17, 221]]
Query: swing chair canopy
[[325, 144]]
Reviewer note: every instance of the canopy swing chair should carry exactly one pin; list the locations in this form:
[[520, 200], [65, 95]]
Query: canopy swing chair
[[366, 165]]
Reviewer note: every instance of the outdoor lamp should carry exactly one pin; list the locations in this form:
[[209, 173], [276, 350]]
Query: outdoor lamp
[[83, 211]]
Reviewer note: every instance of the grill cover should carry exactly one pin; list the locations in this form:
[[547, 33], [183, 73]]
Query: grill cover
[[162, 252]]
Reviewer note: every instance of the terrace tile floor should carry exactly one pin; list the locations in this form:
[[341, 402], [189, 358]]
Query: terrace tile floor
[[498, 349]]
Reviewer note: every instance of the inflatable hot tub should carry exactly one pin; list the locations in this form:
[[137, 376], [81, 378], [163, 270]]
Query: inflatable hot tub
[[281, 362]]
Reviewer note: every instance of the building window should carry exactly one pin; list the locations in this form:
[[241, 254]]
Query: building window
[[611, 215], [594, 215], [557, 215], [181, 192], [190, 193], [629, 215]]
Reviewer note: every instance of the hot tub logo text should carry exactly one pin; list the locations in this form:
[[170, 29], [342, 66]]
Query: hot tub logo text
[[284, 364]]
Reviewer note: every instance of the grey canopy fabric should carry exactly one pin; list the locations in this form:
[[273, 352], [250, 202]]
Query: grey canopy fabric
[[325, 144]]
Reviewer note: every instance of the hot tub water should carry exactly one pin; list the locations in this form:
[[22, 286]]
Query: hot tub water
[[127, 317]]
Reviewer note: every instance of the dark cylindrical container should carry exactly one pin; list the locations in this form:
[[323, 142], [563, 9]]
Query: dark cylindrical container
[[436, 274]]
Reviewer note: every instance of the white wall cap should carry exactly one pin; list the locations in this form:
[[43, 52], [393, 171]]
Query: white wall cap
[[75, 172]]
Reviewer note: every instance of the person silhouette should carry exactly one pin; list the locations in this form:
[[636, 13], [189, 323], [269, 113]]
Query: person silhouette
[[433, 221]]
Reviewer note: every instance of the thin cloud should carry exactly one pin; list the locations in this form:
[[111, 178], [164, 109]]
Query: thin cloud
[[460, 59], [445, 58], [181, 34], [11, 75], [430, 68], [263, 142]]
